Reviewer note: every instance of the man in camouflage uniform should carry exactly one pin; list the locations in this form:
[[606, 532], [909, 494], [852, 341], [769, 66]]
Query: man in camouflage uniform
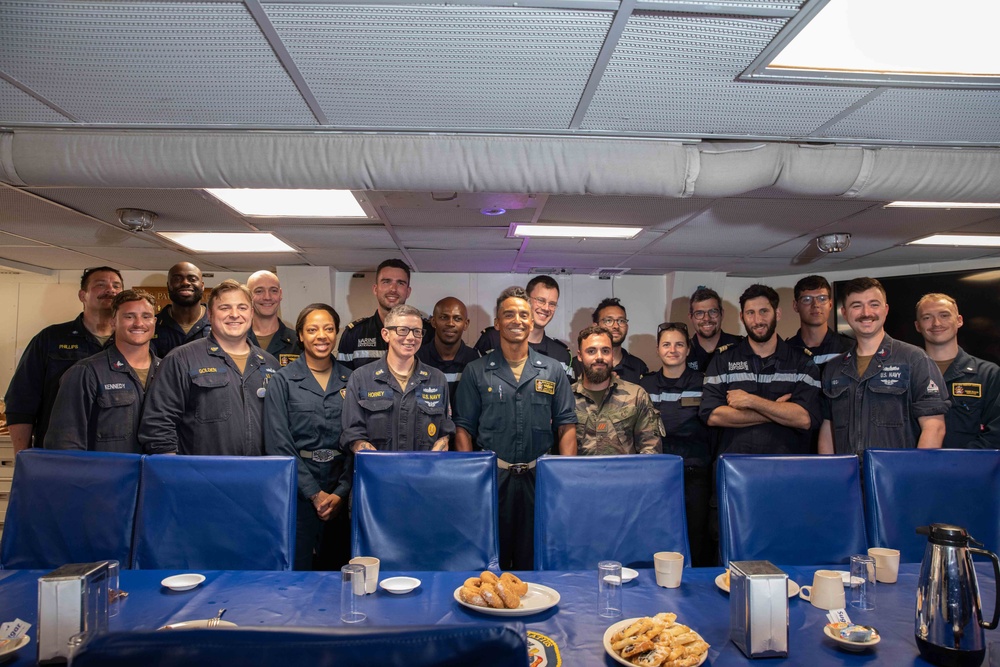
[[613, 416]]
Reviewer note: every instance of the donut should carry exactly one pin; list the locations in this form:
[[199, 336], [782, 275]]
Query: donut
[[493, 599], [505, 590], [518, 586], [488, 577], [473, 596], [472, 582]]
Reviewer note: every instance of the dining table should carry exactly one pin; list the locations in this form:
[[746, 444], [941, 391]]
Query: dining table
[[569, 633]]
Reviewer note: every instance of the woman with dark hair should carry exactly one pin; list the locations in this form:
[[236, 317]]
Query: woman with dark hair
[[302, 411]]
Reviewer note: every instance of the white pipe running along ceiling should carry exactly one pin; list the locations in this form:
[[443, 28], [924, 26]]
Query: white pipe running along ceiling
[[475, 163]]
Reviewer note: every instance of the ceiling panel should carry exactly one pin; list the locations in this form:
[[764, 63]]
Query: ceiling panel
[[17, 106], [146, 258], [188, 63], [452, 216], [659, 212], [472, 261], [49, 257], [443, 238], [249, 261], [675, 74], [11, 240], [352, 259], [595, 246], [325, 236], [442, 66]]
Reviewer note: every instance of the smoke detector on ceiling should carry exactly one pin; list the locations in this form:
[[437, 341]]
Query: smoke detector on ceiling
[[833, 242], [135, 219]]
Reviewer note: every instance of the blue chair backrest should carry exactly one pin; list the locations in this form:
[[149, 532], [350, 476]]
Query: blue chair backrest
[[216, 513], [483, 645], [790, 509], [426, 510], [594, 508], [70, 507], [906, 488]]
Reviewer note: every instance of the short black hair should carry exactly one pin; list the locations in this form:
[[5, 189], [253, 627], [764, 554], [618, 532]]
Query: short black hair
[[300, 323], [612, 302], [512, 292], [85, 278], [394, 264], [704, 294], [861, 285], [810, 283], [592, 330], [544, 281], [758, 290]]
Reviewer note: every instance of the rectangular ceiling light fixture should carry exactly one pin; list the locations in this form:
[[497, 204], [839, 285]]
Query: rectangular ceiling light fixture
[[228, 241], [940, 204], [923, 43], [529, 229], [978, 240], [277, 203]]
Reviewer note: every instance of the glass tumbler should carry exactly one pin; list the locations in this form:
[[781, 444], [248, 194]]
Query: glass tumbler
[[352, 594], [863, 582], [609, 589]]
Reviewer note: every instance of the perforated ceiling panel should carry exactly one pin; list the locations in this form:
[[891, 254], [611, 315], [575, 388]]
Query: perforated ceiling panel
[[48, 257], [327, 236], [675, 74], [149, 62], [12, 240], [925, 116], [473, 261], [451, 216], [437, 66], [348, 259], [249, 261], [437, 238], [19, 107], [146, 258], [655, 211]]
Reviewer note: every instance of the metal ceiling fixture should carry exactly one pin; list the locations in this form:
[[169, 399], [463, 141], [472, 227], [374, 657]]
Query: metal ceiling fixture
[[136, 219], [837, 242]]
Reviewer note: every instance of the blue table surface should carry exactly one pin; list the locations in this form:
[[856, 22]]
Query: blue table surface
[[313, 599]]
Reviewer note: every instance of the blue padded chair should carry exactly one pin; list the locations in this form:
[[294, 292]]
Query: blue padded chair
[[483, 645], [594, 508], [906, 488], [216, 513], [70, 507], [426, 510], [790, 509]]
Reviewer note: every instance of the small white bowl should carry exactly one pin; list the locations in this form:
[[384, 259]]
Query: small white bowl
[[183, 582], [399, 585], [628, 574]]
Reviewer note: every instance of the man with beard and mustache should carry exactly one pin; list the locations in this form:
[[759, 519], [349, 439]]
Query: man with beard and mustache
[[53, 350], [762, 393], [185, 319], [447, 352], [100, 398], [882, 392], [612, 416], [706, 315], [610, 314]]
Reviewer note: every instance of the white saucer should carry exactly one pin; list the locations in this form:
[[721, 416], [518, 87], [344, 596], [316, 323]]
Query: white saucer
[[720, 581], [183, 582], [10, 649], [628, 574], [399, 585], [849, 645]]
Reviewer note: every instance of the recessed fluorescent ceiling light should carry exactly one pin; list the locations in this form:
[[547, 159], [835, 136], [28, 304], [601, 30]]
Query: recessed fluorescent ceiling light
[[984, 240], [940, 204], [291, 203], [908, 37], [572, 231], [228, 241]]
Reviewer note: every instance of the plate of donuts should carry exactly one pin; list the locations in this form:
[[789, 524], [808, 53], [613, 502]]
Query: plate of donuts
[[505, 595]]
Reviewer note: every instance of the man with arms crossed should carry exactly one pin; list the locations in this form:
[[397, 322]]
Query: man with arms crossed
[[882, 393], [706, 315], [185, 319], [208, 397], [515, 402], [100, 398], [814, 303], [612, 416], [268, 331], [973, 422], [52, 351]]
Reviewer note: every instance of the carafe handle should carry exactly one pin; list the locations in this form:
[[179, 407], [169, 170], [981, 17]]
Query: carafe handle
[[996, 576]]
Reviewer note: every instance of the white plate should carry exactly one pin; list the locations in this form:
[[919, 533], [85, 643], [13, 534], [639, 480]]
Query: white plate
[[720, 581], [536, 600], [399, 585], [628, 574], [183, 582], [190, 625], [10, 649], [850, 646], [621, 625]]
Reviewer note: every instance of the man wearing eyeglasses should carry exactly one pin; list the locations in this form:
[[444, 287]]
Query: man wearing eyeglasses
[[397, 404], [610, 314], [362, 341], [814, 303], [53, 350], [543, 296], [706, 316]]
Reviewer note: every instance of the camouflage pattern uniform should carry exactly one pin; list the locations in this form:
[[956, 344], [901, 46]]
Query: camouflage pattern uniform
[[626, 422]]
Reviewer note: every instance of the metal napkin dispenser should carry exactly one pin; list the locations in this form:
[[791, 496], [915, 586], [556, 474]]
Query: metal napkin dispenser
[[758, 608], [71, 600]]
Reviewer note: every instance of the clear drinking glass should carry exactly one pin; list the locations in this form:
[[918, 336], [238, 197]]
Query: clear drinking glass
[[352, 594], [863, 582], [114, 587], [609, 589]]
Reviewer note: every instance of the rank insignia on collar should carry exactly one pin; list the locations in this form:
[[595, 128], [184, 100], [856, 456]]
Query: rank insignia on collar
[[260, 357], [424, 373], [883, 352], [119, 364], [343, 393], [378, 372], [213, 349]]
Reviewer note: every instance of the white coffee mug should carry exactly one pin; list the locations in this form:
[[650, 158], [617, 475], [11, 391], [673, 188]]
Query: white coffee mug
[[826, 592], [886, 564], [669, 566], [371, 571]]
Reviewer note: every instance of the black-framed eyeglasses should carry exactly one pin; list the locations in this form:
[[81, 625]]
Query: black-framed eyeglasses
[[611, 321], [403, 332], [821, 299], [702, 314], [672, 326]]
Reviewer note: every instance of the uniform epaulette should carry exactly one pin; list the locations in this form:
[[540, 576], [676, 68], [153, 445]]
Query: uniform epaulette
[[351, 325], [807, 351], [723, 348], [483, 332]]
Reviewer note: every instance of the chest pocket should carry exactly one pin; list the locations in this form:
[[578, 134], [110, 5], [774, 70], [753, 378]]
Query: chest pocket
[[116, 416], [304, 420], [210, 396], [377, 420], [887, 394], [541, 412]]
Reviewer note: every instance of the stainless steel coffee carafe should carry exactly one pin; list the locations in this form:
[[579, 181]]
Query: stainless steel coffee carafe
[[949, 620]]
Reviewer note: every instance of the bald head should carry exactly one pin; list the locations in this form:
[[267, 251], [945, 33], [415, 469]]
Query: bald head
[[450, 320], [266, 291], [184, 284]]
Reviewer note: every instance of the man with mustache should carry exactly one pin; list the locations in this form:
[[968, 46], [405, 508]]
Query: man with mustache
[[100, 398], [763, 393], [883, 392], [53, 350], [185, 319], [612, 416]]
